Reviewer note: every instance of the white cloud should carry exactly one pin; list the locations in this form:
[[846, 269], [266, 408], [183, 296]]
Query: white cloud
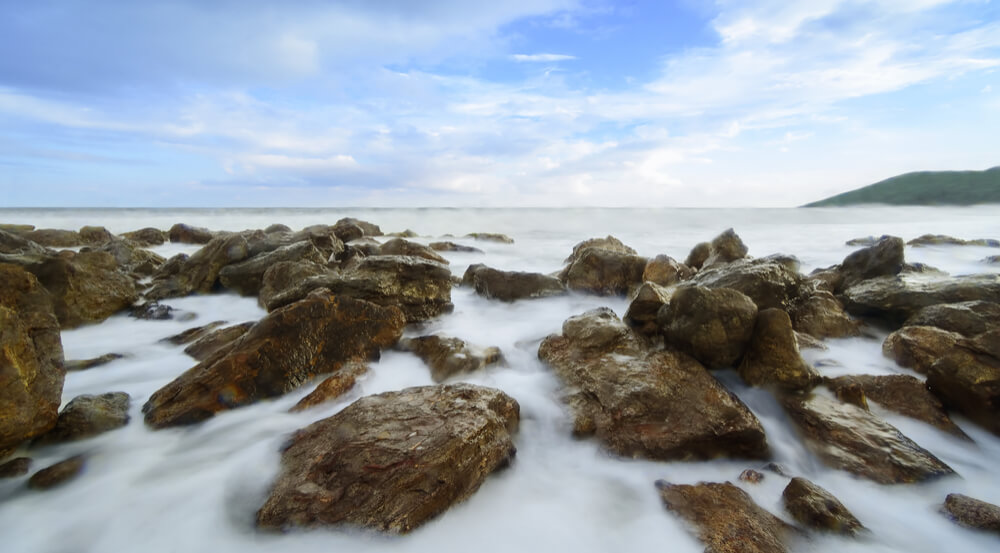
[[541, 57]]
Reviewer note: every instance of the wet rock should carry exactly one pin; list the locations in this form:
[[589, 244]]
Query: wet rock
[[408, 233], [285, 275], [896, 299], [821, 315], [95, 236], [16, 228], [725, 248], [966, 318], [398, 246], [322, 238], [849, 438], [186, 234], [151, 311], [772, 281], [608, 243], [511, 285], [751, 476], [392, 461], [346, 224], [131, 259], [644, 403], [361, 247], [987, 343], [902, 394], [604, 272], [646, 303], [699, 254], [972, 513], [919, 347], [991, 260], [31, 358], [15, 467], [213, 341], [288, 347], [333, 386], [277, 227], [969, 383], [664, 270], [805, 341], [816, 508], [884, 258], [200, 272], [246, 277], [146, 237], [57, 474], [772, 357], [726, 518], [14, 244], [713, 326], [84, 364], [490, 237], [86, 287], [453, 247], [87, 416], [192, 334], [945, 240], [54, 238], [447, 356]]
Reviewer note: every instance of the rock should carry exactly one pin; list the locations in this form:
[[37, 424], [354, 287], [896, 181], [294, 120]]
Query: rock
[[54, 238], [151, 311], [398, 246], [84, 364], [896, 299], [334, 386], [15, 467], [146, 237], [646, 303], [816, 508], [87, 416], [664, 270], [969, 383], [511, 285], [490, 237], [942, 239], [246, 277], [608, 243], [772, 357], [968, 318], [14, 244], [603, 272], [699, 254], [751, 476], [725, 248], [821, 315], [448, 356], [359, 248], [367, 229], [186, 234], [453, 247], [192, 334], [644, 403], [884, 258], [16, 228], [902, 394], [57, 474], [991, 260], [420, 287], [919, 347], [408, 233], [277, 227], [31, 358], [865, 240], [849, 438], [392, 461], [987, 343], [972, 513], [95, 236], [86, 287], [322, 238], [285, 275], [130, 258], [713, 326], [200, 272], [772, 281], [726, 518], [286, 348], [805, 341], [204, 347]]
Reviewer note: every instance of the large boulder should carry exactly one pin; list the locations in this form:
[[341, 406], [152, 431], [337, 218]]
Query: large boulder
[[31, 358], [821, 315], [972, 513], [698, 255], [367, 229], [15, 244], [54, 238], [510, 285], [95, 236], [200, 272], [246, 277], [726, 518], [895, 299], [849, 438], [447, 356], [131, 258], [392, 461], [603, 271], [968, 318], [186, 234], [208, 343], [644, 403], [884, 258], [86, 287], [322, 237], [398, 246], [283, 350], [646, 303], [608, 243], [816, 508], [725, 248], [919, 347], [713, 326], [146, 237], [87, 416], [284, 276], [664, 270], [772, 281], [969, 382], [772, 357]]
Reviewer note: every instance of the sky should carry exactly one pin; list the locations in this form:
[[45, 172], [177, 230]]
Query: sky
[[201, 103]]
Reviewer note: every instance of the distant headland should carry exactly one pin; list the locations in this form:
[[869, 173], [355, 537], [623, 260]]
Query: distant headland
[[925, 188]]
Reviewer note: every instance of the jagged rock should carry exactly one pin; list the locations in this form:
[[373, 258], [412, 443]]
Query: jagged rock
[[200, 272], [896, 299], [204, 347], [987, 343], [972, 513], [902, 394], [942, 239], [772, 281], [713, 326], [751, 476], [54, 238], [604, 272], [95, 236], [919, 347], [699, 254], [816, 508], [448, 356], [86, 287], [772, 357], [608, 243], [398, 246], [31, 358], [969, 382], [192, 334], [645, 403], [725, 248], [664, 270], [146, 237], [726, 518], [130, 257], [805, 341], [84, 364], [286, 348], [392, 461], [367, 229], [285, 275], [333, 386], [884, 258], [151, 311], [14, 244], [490, 237], [361, 247], [821, 315], [246, 277], [847, 437], [87, 416], [277, 227], [968, 318], [186, 234], [646, 303], [15, 467], [57, 474], [510, 285], [453, 247], [322, 237], [420, 287]]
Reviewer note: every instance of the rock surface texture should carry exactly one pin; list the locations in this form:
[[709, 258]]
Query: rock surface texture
[[816, 508]]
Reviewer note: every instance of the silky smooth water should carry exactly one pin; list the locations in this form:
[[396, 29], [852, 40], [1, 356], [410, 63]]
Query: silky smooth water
[[197, 488]]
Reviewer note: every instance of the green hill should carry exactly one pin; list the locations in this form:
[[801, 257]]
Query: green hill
[[925, 188]]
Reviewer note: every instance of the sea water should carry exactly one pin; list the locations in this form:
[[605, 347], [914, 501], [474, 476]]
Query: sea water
[[197, 488]]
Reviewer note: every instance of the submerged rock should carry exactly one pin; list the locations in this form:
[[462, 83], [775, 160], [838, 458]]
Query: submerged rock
[[511, 285], [772, 357], [972, 513], [895, 299], [87, 416], [57, 474], [333, 386], [713, 326], [84, 364], [453, 247], [448, 356], [919, 347], [151, 311], [968, 318], [969, 382], [15, 467], [392, 461], [816, 508]]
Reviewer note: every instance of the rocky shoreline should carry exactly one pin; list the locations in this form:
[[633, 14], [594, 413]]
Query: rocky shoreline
[[642, 385]]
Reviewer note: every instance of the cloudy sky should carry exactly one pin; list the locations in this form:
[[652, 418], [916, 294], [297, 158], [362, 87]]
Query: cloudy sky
[[514, 102]]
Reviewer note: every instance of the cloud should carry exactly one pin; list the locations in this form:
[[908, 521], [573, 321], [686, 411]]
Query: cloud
[[541, 57]]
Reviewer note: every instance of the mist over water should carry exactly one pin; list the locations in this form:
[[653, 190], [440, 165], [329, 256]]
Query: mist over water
[[198, 488]]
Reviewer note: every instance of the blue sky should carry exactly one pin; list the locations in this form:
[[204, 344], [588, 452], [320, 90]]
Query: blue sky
[[457, 103]]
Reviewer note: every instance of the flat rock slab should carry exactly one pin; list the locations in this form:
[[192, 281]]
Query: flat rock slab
[[897, 298], [392, 461]]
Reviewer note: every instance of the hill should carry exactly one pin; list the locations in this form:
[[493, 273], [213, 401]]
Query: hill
[[925, 188]]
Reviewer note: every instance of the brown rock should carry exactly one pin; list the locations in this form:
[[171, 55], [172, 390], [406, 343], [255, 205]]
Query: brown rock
[[192, 334], [751, 476], [346, 225], [968, 318], [817, 508], [699, 254], [246, 277], [284, 276], [608, 243], [772, 281], [603, 272], [130, 258], [87, 416], [95, 236], [646, 303], [448, 356], [54, 238], [511, 285], [490, 237], [664, 270], [772, 357], [334, 386], [277, 227], [896, 299], [16, 228], [726, 518], [57, 474], [392, 461], [969, 383], [821, 315], [945, 240], [805, 341], [187, 234], [453, 247], [84, 364], [146, 237], [713, 326], [919, 347], [86, 287], [884, 258], [151, 311], [200, 272], [398, 246], [987, 343], [725, 248], [286, 348], [972, 513], [15, 467], [212, 341], [408, 233]]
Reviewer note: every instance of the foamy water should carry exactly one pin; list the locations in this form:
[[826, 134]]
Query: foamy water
[[197, 488]]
